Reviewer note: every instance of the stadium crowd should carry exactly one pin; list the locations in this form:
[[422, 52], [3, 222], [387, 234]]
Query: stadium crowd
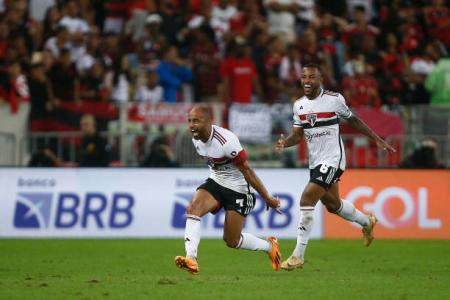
[[377, 53]]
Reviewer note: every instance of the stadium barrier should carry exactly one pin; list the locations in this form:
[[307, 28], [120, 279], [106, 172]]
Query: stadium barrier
[[131, 203], [409, 204], [151, 203]]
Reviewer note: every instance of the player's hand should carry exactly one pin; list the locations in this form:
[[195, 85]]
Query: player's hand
[[385, 146], [274, 203], [280, 144]]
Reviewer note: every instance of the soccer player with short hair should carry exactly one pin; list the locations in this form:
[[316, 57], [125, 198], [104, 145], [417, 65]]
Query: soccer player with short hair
[[228, 186], [316, 117]]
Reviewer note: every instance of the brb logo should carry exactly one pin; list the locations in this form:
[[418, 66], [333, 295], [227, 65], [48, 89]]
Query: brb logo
[[69, 210], [258, 214], [396, 207]]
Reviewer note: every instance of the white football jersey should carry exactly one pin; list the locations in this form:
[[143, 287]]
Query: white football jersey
[[223, 152], [320, 121]]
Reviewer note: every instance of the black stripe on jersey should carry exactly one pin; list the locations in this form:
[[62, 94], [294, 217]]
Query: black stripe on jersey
[[219, 137], [331, 93], [320, 123]]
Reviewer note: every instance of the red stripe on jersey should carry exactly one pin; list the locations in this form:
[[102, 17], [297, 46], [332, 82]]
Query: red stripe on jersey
[[240, 158], [322, 115]]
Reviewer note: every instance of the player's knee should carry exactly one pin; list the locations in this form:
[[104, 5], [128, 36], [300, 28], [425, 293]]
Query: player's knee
[[332, 207], [192, 209], [231, 241]]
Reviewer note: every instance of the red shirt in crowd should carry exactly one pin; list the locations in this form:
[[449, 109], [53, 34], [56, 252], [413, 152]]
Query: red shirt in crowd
[[361, 91], [240, 72]]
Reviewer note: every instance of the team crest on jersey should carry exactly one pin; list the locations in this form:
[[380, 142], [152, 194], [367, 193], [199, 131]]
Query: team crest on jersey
[[311, 118]]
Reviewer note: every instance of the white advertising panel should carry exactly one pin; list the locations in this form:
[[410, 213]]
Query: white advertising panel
[[132, 203]]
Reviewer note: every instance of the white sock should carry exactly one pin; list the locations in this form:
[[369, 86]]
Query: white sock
[[349, 212], [192, 235], [250, 242], [304, 229]]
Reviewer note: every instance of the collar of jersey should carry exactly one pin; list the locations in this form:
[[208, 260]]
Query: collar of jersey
[[211, 136], [320, 95]]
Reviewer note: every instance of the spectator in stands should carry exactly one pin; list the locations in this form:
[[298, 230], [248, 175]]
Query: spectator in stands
[[361, 88], [312, 52], [50, 23], [437, 20], [354, 32], [150, 91], [118, 80], [91, 53], [306, 15], [41, 98], [14, 87], [94, 151], [423, 157], [44, 157], [221, 17], [328, 34], [92, 85], [4, 38], [205, 57], [72, 21], [64, 79], [392, 74], [58, 42], [239, 77], [420, 67], [438, 84], [151, 42], [173, 72], [138, 11], [172, 20], [273, 85], [22, 51], [20, 24], [281, 16], [161, 155], [290, 70]]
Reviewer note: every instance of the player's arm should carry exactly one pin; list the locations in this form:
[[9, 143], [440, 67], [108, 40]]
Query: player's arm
[[355, 122], [294, 138], [256, 183]]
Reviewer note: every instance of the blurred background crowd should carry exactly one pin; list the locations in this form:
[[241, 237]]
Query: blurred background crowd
[[378, 53]]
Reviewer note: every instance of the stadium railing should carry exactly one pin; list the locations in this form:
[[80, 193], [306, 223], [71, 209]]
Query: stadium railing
[[360, 152], [132, 128]]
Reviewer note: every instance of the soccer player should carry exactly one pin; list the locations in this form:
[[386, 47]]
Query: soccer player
[[316, 117], [228, 186]]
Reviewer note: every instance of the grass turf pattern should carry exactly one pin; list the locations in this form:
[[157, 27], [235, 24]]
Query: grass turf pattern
[[144, 269]]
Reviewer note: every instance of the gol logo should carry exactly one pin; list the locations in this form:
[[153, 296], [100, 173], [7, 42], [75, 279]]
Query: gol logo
[[415, 206]]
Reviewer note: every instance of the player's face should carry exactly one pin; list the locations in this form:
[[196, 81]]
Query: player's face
[[199, 125], [311, 80]]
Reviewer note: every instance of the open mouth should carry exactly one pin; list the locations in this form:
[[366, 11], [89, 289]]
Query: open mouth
[[307, 88], [194, 133]]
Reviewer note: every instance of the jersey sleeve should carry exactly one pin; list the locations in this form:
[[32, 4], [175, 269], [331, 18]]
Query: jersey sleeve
[[342, 109], [297, 122], [233, 149]]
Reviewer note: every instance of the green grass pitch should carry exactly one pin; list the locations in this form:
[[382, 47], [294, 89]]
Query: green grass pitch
[[144, 269]]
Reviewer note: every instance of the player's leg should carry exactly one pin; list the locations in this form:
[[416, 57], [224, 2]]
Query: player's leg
[[349, 212], [235, 238], [310, 196], [202, 203]]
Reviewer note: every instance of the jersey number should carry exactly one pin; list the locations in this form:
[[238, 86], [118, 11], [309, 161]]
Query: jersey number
[[323, 169]]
